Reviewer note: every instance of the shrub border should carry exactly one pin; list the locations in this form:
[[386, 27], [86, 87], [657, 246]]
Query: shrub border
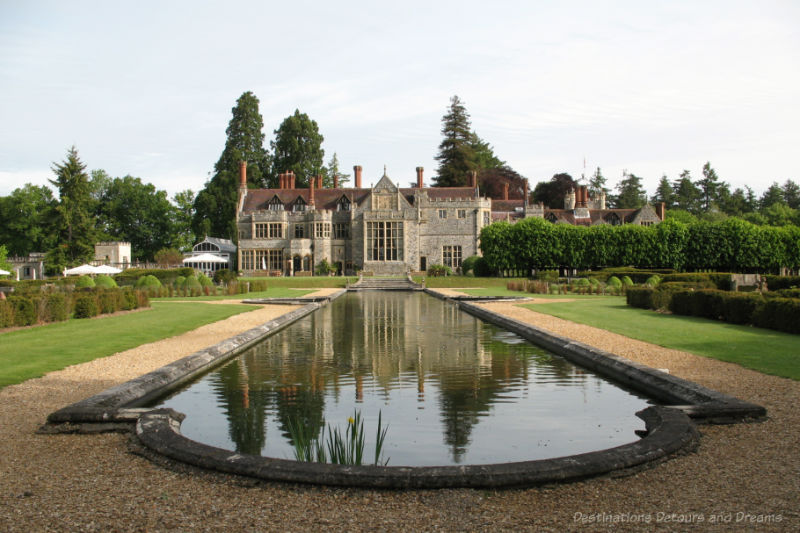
[[669, 430]]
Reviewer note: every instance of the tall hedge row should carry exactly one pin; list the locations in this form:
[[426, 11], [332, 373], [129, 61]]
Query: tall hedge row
[[732, 245]]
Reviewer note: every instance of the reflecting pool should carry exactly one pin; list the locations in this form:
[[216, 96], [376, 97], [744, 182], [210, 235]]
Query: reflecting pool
[[453, 389]]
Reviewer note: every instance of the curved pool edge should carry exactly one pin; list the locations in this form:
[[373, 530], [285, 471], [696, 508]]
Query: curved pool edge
[[669, 432]]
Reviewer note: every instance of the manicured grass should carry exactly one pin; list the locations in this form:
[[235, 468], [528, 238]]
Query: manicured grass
[[446, 282], [276, 292], [502, 291], [306, 282], [30, 353], [767, 351]]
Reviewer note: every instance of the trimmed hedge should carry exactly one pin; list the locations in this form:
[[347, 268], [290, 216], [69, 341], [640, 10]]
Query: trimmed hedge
[[30, 308], [719, 280], [772, 312], [775, 283], [165, 276]]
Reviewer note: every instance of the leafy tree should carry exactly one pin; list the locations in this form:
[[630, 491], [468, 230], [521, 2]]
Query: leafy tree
[[215, 205], [183, 236], [492, 181], [772, 196], [686, 195], [708, 186], [298, 147], [455, 155], [25, 216], [630, 195], [780, 215], [168, 257], [4, 264], [791, 194], [681, 215], [136, 212], [551, 193], [75, 233], [333, 170], [664, 193]]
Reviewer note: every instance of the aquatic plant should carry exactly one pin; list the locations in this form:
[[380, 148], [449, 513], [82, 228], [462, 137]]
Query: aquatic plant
[[342, 449]]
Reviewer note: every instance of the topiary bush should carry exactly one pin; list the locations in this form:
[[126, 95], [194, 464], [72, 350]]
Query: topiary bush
[[782, 314], [105, 282], [740, 308], [641, 297], [84, 282], [653, 281], [149, 283], [6, 314], [179, 282], [205, 281], [24, 310]]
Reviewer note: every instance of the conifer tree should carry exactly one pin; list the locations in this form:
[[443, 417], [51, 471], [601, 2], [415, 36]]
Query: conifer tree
[[456, 155], [73, 221], [215, 205]]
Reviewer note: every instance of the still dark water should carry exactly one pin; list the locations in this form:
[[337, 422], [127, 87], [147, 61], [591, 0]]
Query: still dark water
[[453, 389]]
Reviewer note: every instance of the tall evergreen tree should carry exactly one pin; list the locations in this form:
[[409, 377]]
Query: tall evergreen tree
[[708, 186], [298, 147], [686, 195], [664, 193], [215, 205], [791, 194], [456, 155], [332, 170], [73, 220], [483, 155], [772, 196], [630, 193], [597, 184]]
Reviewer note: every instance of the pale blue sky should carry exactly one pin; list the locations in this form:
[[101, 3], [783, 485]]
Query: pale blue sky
[[146, 88]]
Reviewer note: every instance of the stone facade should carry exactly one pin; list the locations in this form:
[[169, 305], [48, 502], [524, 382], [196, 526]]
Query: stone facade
[[383, 230], [116, 254]]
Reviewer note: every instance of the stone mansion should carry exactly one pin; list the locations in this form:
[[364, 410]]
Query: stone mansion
[[385, 229]]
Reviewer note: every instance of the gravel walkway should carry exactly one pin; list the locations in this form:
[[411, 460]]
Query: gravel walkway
[[743, 477]]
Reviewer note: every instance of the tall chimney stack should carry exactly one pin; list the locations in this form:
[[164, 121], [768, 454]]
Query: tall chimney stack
[[282, 180], [242, 174], [420, 183], [335, 181], [311, 181], [472, 179], [505, 191], [290, 179], [357, 173], [319, 181]]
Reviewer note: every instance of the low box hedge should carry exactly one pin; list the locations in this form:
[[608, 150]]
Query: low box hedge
[[775, 283]]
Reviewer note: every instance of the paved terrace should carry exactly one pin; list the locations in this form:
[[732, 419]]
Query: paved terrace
[[744, 476]]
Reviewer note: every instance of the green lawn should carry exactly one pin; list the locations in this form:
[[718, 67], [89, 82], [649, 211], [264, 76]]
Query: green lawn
[[447, 282], [30, 353], [272, 292], [768, 351]]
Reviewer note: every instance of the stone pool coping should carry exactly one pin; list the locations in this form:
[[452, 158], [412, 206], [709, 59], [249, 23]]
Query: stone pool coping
[[669, 430]]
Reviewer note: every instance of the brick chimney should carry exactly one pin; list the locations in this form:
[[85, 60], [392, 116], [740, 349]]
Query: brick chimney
[[505, 191], [319, 181], [661, 210], [311, 181], [242, 174], [290, 179], [420, 183], [357, 175], [472, 178], [282, 181], [335, 181]]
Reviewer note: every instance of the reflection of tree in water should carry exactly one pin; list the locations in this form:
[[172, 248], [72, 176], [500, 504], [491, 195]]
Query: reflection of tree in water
[[382, 339], [300, 404], [245, 402]]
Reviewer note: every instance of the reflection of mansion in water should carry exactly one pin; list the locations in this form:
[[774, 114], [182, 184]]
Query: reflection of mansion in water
[[386, 229]]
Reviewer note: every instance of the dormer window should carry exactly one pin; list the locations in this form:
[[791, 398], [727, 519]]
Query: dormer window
[[552, 218], [299, 205], [613, 219], [343, 204], [275, 204]]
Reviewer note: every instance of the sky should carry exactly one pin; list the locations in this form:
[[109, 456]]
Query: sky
[[146, 88]]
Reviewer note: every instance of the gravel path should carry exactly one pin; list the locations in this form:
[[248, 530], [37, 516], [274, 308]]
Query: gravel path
[[743, 477]]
